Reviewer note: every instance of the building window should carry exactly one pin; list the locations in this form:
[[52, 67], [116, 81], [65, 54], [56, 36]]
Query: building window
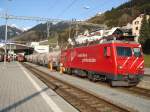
[[136, 22], [136, 28]]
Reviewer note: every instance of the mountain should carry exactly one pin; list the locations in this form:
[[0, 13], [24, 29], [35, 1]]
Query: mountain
[[58, 32], [39, 32], [12, 31], [123, 14]]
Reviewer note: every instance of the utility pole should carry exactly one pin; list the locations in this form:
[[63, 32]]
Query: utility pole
[[6, 19], [48, 27], [5, 56], [77, 29], [69, 29]]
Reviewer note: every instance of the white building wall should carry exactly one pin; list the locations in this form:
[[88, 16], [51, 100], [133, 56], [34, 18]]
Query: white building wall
[[39, 48], [136, 25], [42, 48], [33, 44]]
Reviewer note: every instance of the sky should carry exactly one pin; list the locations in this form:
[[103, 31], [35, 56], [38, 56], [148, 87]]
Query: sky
[[54, 9]]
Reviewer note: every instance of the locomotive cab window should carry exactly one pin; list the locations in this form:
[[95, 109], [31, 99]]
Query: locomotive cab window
[[124, 51], [137, 52]]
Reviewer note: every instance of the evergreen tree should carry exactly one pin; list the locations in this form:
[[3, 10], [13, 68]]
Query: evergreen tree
[[143, 31], [149, 26], [147, 42], [144, 38]]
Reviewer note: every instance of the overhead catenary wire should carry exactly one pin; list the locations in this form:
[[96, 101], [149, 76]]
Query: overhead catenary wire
[[101, 6], [68, 7], [95, 7], [28, 18]]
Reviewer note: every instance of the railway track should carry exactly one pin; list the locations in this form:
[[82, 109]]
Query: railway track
[[132, 90], [139, 91], [142, 92], [145, 93], [146, 75], [80, 99]]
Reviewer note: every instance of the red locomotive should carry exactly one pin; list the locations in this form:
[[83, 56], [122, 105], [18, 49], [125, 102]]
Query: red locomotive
[[20, 58], [119, 62], [115, 58]]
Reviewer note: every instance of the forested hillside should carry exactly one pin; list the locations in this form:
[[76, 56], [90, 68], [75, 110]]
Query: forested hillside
[[12, 31], [123, 14]]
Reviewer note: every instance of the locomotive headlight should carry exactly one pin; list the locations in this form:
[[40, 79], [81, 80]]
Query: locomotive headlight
[[120, 67], [141, 67]]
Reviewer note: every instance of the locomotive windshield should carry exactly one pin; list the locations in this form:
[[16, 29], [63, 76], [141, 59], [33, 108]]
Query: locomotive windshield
[[124, 51], [137, 52]]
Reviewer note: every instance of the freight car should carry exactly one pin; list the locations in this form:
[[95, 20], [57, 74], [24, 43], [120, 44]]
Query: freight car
[[119, 62], [1, 57], [45, 59]]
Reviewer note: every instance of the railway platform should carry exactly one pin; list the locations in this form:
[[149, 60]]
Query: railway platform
[[118, 97], [146, 79], [21, 91], [147, 71]]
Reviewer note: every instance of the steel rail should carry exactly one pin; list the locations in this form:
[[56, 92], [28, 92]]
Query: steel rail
[[82, 100]]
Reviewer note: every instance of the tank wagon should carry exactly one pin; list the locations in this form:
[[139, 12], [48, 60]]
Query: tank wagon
[[119, 62], [54, 58], [45, 59]]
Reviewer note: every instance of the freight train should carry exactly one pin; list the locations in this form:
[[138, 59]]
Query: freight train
[[120, 63], [117, 61]]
